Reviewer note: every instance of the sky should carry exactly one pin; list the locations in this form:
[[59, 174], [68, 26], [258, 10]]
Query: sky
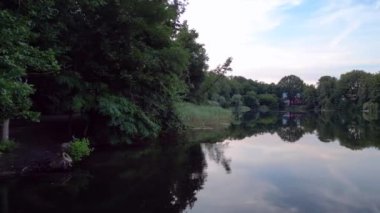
[[269, 39]]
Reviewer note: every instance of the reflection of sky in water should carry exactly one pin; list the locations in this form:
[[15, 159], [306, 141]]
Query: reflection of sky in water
[[269, 175]]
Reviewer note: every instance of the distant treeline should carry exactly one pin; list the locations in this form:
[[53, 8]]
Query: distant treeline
[[355, 90], [123, 64]]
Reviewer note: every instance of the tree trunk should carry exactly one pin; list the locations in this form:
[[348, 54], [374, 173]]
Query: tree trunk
[[5, 135]]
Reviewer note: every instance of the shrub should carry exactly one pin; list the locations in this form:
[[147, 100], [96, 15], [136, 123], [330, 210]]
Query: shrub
[[79, 148], [269, 100], [7, 145]]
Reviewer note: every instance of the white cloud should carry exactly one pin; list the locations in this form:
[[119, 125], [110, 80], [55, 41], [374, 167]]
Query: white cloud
[[323, 43], [226, 26]]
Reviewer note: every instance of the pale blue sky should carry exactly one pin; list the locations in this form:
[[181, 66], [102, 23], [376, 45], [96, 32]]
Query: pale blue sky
[[269, 39]]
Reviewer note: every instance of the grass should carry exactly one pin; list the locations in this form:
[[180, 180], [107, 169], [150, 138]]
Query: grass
[[203, 116]]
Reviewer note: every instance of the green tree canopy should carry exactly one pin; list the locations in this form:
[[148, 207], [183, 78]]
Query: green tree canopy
[[197, 67], [250, 100], [17, 55], [291, 84], [354, 86], [269, 100], [327, 91]]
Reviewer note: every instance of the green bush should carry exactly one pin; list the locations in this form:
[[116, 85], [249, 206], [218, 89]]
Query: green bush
[[7, 145], [79, 148], [268, 100]]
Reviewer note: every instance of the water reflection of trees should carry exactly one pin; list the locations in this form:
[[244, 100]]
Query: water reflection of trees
[[158, 179], [168, 178], [215, 151], [290, 134], [254, 123], [353, 131]]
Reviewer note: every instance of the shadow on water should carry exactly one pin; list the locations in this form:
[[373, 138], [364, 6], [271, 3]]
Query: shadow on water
[[151, 180], [167, 177]]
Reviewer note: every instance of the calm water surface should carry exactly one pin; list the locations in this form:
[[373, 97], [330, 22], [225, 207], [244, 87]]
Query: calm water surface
[[269, 163]]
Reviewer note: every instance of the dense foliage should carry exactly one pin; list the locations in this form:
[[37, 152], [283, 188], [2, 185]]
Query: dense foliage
[[16, 56], [352, 91], [124, 64]]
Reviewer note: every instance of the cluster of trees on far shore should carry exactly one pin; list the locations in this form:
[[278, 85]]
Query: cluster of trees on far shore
[[122, 65], [354, 90]]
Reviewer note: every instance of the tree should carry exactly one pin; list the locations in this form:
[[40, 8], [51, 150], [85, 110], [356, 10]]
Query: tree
[[197, 67], [122, 66], [16, 56], [374, 88], [291, 84], [310, 96], [268, 100], [250, 100], [327, 91], [219, 72], [354, 86], [237, 103]]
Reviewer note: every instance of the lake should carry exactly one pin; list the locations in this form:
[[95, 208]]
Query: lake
[[267, 163]]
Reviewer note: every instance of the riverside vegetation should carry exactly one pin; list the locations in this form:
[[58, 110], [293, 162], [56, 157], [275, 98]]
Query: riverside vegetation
[[79, 149], [128, 73], [133, 71]]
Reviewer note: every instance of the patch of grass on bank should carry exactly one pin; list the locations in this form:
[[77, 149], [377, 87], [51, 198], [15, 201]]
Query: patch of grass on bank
[[203, 116]]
